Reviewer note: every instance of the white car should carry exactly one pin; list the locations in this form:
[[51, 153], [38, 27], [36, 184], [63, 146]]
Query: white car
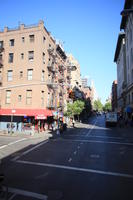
[[111, 118]]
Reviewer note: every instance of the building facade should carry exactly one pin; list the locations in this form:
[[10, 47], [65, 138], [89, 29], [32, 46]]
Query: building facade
[[32, 75], [114, 96], [124, 59]]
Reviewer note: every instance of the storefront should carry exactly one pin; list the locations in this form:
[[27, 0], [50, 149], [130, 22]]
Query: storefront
[[24, 120]]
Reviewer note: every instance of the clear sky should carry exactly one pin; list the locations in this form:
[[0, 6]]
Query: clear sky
[[87, 28]]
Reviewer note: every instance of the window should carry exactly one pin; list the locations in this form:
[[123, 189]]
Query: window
[[23, 39], [10, 60], [44, 39], [11, 42], [43, 57], [1, 57], [42, 98], [42, 75], [1, 44], [31, 55], [20, 74], [9, 75], [8, 96], [29, 74], [22, 55], [32, 38], [19, 98], [29, 97]]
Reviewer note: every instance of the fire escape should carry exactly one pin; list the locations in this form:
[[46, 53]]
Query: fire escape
[[51, 82], [1, 60]]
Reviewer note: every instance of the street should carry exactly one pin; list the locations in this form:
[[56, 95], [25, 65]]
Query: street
[[89, 162]]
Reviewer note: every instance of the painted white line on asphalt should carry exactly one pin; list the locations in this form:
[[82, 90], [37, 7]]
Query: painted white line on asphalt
[[117, 174], [3, 146], [91, 128], [97, 136], [27, 193], [70, 159], [11, 143], [29, 150], [98, 141]]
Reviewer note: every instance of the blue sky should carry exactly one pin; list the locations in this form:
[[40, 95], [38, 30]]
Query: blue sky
[[87, 28]]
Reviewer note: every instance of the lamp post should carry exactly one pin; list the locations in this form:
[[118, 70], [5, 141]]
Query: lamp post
[[11, 126]]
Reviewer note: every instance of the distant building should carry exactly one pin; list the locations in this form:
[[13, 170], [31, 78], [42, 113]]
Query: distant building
[[84, 82]]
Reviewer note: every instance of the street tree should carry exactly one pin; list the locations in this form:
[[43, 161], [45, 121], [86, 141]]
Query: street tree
[[98, 105], [107, 106]]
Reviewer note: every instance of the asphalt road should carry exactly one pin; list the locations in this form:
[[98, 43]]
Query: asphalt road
[[90, 162]]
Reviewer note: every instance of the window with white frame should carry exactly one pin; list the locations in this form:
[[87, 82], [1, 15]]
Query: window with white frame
[[31, 55], [9, 75], [29, 74], [8, 96], [29, 97], [44, 39]]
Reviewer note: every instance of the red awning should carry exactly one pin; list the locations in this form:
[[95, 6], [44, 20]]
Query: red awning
[[37, 113]]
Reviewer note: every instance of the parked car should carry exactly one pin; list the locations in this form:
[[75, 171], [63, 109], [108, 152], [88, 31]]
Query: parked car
[[111, 119]]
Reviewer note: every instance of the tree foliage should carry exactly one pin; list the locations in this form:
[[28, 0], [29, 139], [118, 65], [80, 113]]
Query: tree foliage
[[107, 106], [98, 105], [74, 108]]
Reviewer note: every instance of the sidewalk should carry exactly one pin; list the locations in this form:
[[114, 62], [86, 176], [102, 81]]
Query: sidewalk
[[46, 134]]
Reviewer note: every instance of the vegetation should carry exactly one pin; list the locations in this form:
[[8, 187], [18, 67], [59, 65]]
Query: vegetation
[[74, 108], [107, 106], [98, 105]]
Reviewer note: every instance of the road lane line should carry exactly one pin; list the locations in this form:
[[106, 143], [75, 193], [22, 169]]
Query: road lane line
[[109, 173], [11, 143], [98, 141], [29, 150], [91, 128], [27, 193]]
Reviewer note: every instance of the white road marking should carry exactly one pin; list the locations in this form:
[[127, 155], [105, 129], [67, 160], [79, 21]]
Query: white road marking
[[70, 159], [109, 173], [75, 152], [91, 128], [97, 136], [29, 150], [27, 193], [99, 141], [11, 143]]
